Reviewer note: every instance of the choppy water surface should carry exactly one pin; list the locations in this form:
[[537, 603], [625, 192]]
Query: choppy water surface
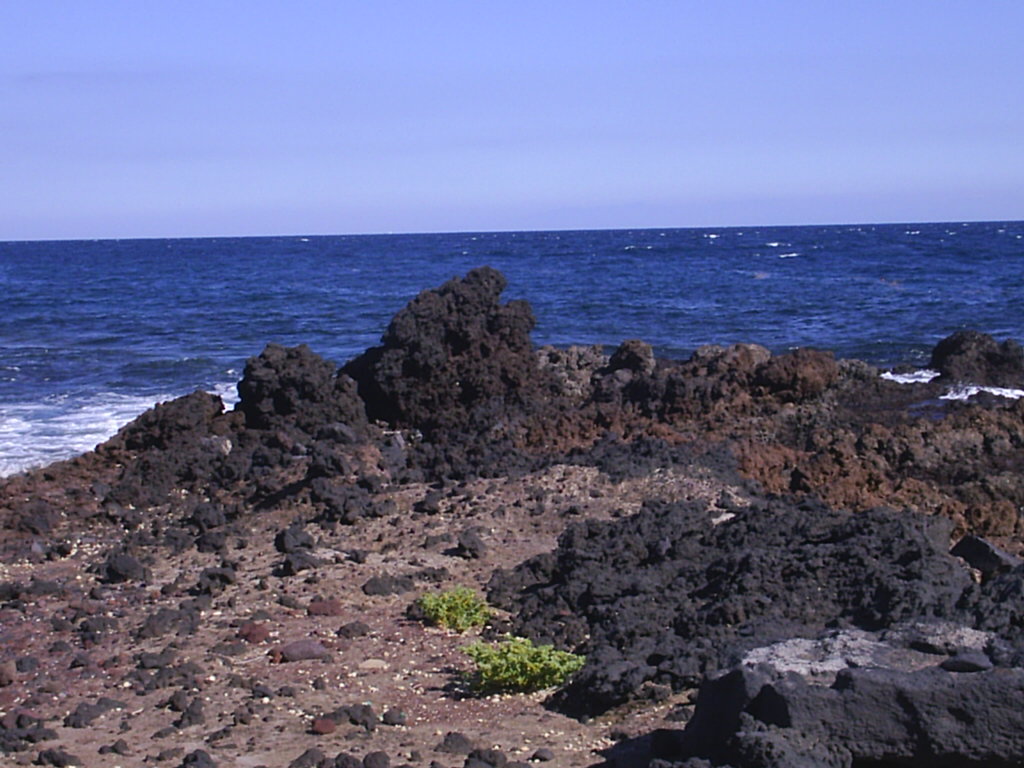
[[92, 333]]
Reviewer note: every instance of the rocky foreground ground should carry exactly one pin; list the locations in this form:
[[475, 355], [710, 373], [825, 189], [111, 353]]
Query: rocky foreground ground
[[767, 560]]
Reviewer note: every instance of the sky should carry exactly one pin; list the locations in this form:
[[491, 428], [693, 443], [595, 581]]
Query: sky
[[174, 118]]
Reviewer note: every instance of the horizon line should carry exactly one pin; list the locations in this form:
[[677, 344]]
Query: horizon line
[[506, 231]]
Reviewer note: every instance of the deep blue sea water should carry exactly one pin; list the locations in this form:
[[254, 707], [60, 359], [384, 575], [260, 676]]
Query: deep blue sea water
[[93, 332]]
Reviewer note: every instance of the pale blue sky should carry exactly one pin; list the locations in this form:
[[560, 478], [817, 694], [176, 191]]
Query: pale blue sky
[[151, 118]]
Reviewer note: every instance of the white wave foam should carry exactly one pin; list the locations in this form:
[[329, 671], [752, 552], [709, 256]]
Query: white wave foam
[[792, 255], [922, 376], [773, 244], [970, 390], [36, 434], [226, 391], [962, 392]]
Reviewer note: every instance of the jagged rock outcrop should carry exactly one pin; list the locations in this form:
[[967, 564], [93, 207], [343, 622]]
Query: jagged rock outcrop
[[930, 696], [658, 599], [971, 357], [177, 442], [964, 461], [464, 393], [458, 367], [294, 385], [798, 375], [453, 356]]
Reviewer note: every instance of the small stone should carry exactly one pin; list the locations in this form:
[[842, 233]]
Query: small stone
[[309, 759], [296, 562], [353, 629], [300, 650], [119, 747], [122, 567], [198, 759], [394, 717], [323, 726], [985, 556], [455, 743], [58, 758], [364, 715], [253, 632], [178, 701], [494, 758], [325, 608], [373, 664], [155, 660], [388, 585], [377, 760], [542, 755], [470, 545], [193, 714], [968, 661], [8, 673], [293, 539]]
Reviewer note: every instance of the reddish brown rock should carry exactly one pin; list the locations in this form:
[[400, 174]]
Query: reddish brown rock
[[8, 673], [323, 726], [798, 375], [300, 650], [253, 632], [325, 608]]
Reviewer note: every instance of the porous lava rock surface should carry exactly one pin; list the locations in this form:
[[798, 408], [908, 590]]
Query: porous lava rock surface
[[924, 694], [976, 358], [450, 352], [664, 596]]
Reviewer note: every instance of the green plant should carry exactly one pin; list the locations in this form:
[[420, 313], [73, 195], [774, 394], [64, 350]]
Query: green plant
[[458, 609], [516, 664]]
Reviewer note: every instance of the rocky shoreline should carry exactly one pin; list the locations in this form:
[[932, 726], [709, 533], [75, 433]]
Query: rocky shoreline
[[780, 560]]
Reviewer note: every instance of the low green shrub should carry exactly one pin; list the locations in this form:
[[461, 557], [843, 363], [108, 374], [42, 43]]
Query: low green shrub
[[517, 665], [458, 609]]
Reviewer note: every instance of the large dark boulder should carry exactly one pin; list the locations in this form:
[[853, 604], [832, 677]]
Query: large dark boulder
[[295, 386], [976, 358], [856, 699], [451, 352], [168, 424], [660, 598], [176, 443], [799, 375]]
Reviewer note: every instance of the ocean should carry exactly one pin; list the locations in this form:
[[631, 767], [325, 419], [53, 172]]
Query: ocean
[[94, 332]]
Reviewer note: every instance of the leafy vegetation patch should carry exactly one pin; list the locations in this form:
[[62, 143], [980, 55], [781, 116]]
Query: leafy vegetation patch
[[458, 609], [517, 665]]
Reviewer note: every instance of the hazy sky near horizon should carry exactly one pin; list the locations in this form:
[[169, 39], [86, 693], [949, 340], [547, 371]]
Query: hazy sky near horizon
[[170, 118]]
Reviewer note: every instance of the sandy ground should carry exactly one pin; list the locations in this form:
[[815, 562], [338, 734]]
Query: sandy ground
[[258, 712]]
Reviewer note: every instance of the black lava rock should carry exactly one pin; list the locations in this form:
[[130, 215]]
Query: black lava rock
[[388, 584], [664, 596]]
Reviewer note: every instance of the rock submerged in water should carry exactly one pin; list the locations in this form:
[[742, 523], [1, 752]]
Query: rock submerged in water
[[971, 357]]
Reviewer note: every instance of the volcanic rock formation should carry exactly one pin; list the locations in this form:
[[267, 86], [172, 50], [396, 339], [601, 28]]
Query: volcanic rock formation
[[775, 529]]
